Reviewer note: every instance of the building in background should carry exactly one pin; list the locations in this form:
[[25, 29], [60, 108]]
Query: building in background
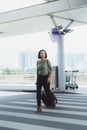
[[76, 62], [27, 59], [21, 60]]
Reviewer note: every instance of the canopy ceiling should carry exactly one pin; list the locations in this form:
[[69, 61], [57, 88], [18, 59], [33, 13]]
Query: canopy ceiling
[[38, 17]]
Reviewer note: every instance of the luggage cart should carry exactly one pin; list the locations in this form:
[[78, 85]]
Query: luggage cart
[[70, 77]]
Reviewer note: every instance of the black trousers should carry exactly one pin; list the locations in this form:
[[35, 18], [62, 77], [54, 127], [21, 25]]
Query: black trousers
[[42, 82]]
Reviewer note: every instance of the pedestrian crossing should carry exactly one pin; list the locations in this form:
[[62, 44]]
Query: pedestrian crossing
[[70, 114]]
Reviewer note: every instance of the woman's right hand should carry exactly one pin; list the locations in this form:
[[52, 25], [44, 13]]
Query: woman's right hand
[[49, 79]]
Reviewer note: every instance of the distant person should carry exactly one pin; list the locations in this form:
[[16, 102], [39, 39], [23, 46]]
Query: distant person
[[44, 70]]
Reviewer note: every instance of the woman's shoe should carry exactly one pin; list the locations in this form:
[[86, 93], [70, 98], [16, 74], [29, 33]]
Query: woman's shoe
[[39, 109], [54, 104]]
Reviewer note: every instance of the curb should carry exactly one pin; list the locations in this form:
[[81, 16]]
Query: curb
[[34, 91]]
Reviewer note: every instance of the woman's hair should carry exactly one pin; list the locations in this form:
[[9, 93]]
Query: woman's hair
[[40, 52]]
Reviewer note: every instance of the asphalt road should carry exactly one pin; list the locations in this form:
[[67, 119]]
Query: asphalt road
[[17, 112]]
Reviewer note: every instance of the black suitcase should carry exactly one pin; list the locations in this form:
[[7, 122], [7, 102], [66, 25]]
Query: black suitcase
[[48, 100]]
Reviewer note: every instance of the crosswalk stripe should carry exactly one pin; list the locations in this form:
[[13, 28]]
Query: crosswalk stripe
[[72, 95], [58, 105], [68, 98], [15, 107], [71, 105], [79, 100], [46, 118], [76, 107], [45, 110], [22, 126], [76, 103], [24, 103]]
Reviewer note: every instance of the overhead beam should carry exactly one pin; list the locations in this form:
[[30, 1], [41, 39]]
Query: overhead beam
[[33, 11], [39, 10], [77, 3], [69, 19]]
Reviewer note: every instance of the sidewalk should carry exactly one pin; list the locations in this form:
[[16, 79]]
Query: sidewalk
[[32, 88], [26, 88], [5, 93], [17, 87]]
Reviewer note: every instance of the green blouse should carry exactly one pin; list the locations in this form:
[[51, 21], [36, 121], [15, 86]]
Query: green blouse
[[43, 67]]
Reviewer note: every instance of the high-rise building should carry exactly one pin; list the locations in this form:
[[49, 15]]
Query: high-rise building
[[31, 58], [21, 60], [27, 59], [76, 61]]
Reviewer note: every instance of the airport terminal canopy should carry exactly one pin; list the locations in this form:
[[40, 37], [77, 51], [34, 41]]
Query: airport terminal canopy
[[23, 16]]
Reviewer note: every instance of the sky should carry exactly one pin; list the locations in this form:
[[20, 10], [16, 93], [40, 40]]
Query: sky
[[11, 46], [75, 42]]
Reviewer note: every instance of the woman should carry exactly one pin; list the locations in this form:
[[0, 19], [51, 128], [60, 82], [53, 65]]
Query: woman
[[44, 70]]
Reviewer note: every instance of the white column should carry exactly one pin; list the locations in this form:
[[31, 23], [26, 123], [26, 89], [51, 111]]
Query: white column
[[61, 64], [57, 37]]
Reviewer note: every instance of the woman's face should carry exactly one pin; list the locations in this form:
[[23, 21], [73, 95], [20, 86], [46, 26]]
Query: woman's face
[[42, 54]]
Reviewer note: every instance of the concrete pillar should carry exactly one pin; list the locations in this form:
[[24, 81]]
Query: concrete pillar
[[61, 64], [57, 37]]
